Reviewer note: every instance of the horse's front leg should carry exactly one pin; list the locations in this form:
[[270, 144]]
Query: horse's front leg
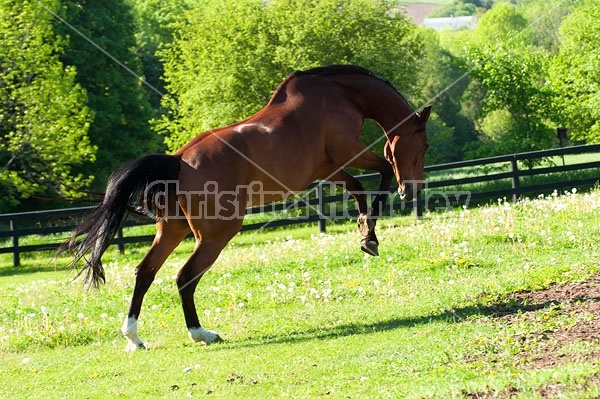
[[370, 244], [366, 223]]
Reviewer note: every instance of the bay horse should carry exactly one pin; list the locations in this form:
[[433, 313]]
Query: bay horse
[[309, 130]]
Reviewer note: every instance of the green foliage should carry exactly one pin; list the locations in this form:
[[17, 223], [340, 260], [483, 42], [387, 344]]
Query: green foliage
[[503, 23], [510, 78], [575, 73], [120, 128], [154, 21], [462, 8], [511, 81], [442, 141], [247, 47], [44, 119], [70, 115], [545, 18], [442, 82], [456, 9]]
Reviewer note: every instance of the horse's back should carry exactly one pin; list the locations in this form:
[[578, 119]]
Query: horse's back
[[285, 146]]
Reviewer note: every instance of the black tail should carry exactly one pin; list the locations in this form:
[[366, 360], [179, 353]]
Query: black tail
[[125, 190]]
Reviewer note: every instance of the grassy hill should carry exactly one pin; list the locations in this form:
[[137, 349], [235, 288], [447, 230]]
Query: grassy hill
[[499, 301]]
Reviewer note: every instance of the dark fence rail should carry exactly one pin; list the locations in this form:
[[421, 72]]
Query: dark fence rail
[[318, 205]]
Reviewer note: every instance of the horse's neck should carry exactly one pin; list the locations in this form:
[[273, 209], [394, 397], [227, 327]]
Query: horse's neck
[[378, 101]]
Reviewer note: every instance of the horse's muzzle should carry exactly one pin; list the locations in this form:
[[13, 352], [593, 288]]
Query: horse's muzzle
[[408, 193]]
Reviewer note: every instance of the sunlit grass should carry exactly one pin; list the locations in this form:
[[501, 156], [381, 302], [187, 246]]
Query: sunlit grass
[[306, 314]]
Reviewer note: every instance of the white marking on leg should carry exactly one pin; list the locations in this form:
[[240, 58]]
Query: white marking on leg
[[130, 332], [199, 334]]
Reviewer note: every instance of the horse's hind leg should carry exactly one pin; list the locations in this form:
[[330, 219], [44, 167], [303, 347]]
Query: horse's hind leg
[[168, 235], [208, 248]]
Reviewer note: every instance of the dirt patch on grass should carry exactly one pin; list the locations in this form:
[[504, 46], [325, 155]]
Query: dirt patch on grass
[[581, 300], [552, 346], [548, 391], [588, 290], [576, 340], [506, 393], [556, 390]]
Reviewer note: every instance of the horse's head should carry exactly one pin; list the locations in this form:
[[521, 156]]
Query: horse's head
[[405, 150]]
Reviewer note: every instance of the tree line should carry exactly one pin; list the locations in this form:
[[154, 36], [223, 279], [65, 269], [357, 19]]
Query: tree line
[[88, 85]]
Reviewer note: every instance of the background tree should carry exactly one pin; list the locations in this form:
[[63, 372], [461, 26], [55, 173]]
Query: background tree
[[455, 9], [154, 20], [43, 116], [61, 98], [515, 100], [247, 47], [576, 73], [545, 18], [462, 8], [120, 127], [443, 82]]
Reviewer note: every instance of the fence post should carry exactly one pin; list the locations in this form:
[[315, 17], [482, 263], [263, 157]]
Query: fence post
[[120, 243], [418, 207], [514, 168], [321, 208], [15, 242]]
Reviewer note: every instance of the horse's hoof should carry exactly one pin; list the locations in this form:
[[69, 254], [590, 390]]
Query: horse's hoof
[[365, 225], [132, 347], [217, 340], [199, 334], [370, 247]]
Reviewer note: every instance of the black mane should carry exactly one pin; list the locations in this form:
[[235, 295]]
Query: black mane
[[345, 69]]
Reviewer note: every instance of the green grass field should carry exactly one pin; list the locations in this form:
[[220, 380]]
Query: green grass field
[[437, 315], [505, 167]]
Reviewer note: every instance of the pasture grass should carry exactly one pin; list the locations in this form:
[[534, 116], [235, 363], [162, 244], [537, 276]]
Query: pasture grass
[[309, 315], [302, 210], [525, 181], [470, 171]]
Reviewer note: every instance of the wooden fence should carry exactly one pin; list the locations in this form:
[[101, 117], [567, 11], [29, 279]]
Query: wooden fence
[[320, 199]]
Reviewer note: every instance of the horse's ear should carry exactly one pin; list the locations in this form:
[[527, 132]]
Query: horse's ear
[[424, 115]]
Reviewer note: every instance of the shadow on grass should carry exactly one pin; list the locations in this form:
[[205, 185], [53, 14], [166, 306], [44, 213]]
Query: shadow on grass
[[30, 269], [456, 315]]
